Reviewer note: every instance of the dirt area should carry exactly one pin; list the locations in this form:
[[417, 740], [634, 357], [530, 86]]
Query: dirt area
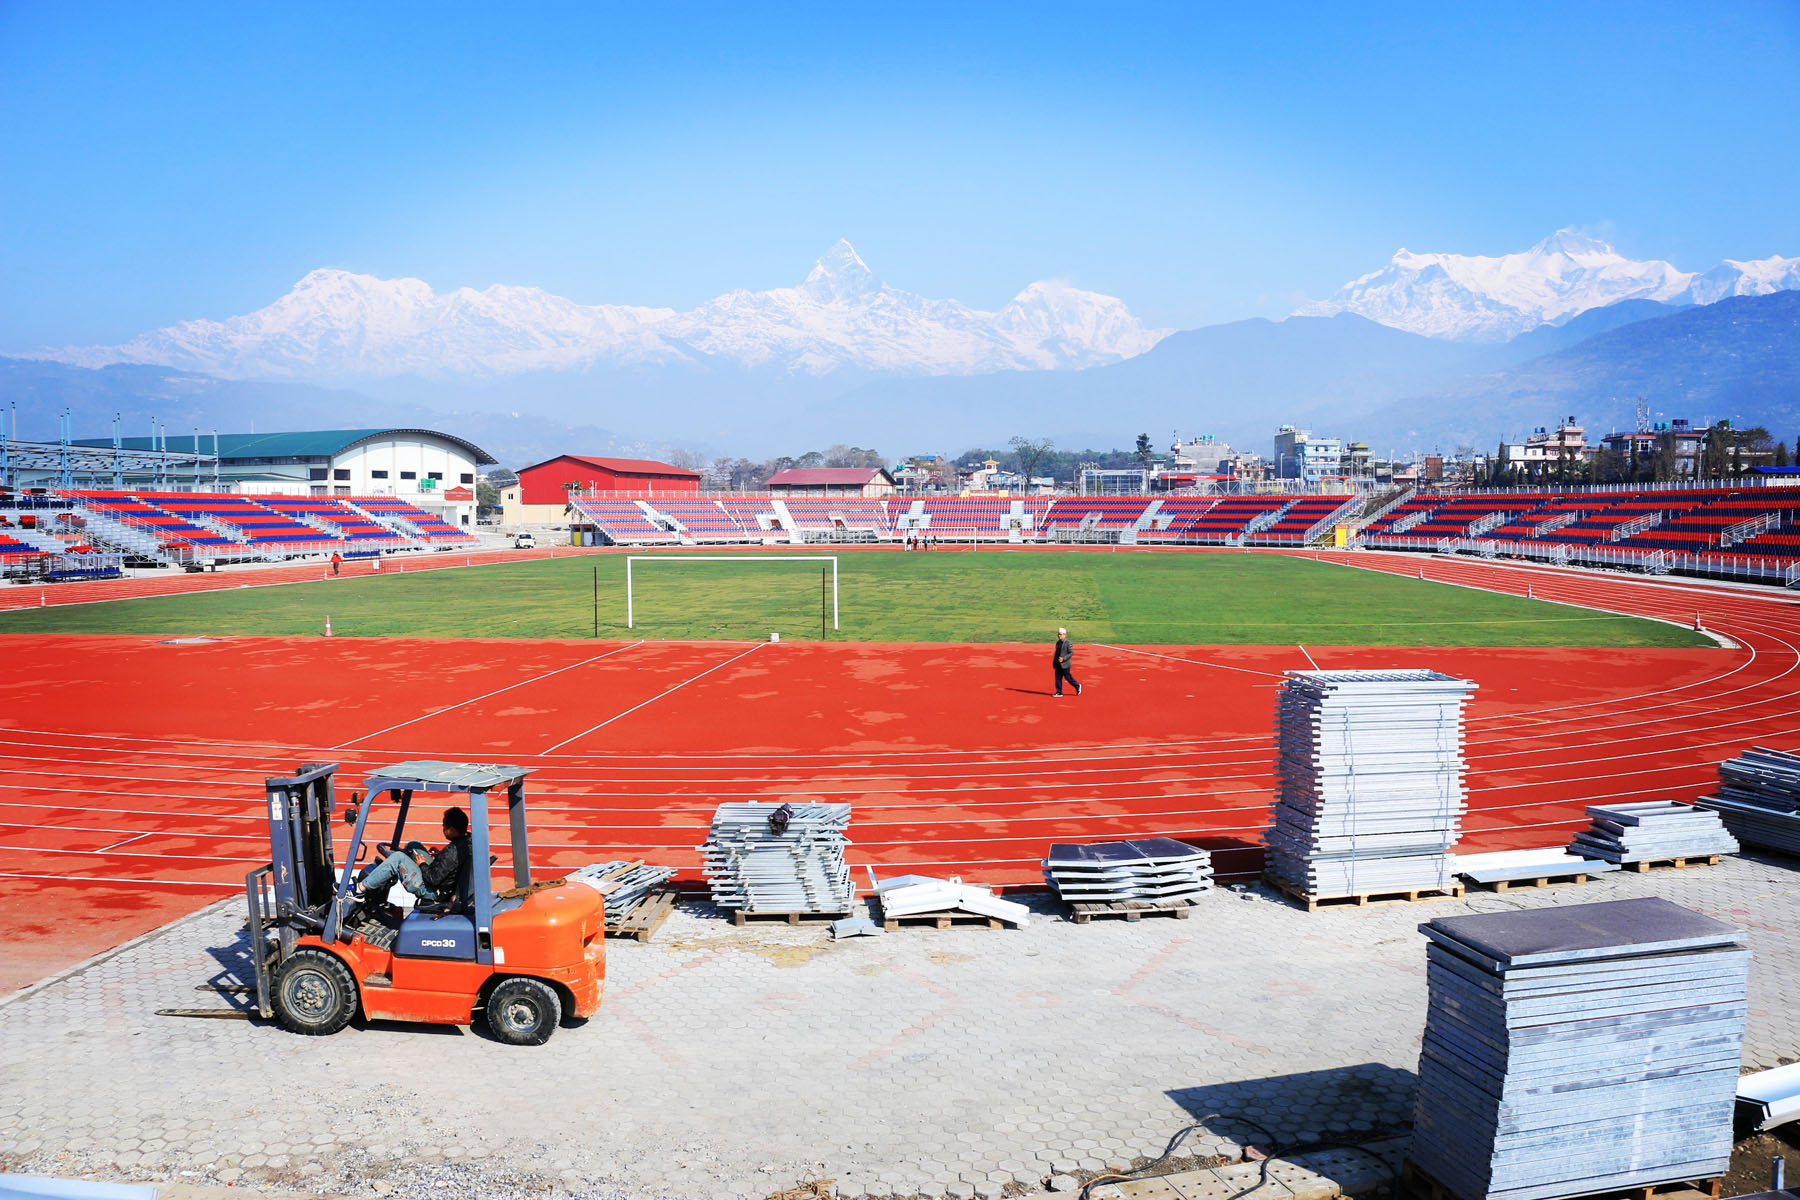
[[1752, 1158]]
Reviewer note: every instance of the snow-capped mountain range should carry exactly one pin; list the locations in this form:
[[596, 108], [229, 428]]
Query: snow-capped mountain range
[[1479, 299], [337, 325]]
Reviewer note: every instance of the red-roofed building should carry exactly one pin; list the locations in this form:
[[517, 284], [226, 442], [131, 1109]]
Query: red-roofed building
[[547, 482], [832, 481], [542, 492]]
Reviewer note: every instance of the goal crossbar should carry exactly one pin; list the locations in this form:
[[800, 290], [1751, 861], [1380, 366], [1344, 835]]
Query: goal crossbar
[[697, 559]]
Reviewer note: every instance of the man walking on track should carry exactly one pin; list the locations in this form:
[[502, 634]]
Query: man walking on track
[[337, 562], [1063, 657]]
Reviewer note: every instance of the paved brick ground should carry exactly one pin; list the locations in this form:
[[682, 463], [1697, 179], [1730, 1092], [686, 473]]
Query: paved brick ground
[[731, 1062]]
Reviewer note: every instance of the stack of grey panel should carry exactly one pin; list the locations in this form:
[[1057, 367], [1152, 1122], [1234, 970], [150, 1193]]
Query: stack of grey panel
[[1759, 798], [1579, 1049], [779, 858], [1370, 780], [1155, 869], [1650, 831], [624, 884]]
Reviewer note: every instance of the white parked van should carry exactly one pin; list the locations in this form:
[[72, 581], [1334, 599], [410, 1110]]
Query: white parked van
[[524, 541]]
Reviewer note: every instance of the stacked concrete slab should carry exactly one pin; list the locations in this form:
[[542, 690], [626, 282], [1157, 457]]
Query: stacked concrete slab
[[779, 858], [1652, 831], [1758, 798], [1579, 1049], [1370, 780], [1147, 869]]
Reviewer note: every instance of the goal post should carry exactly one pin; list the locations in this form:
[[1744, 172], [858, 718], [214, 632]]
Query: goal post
[[631, 561]]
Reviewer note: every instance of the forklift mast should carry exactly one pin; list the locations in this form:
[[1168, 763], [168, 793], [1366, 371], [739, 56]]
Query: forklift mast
[[300, 808]]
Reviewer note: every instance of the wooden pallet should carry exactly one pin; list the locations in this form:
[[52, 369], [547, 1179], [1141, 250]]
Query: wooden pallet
[[1313, 903], [943, 920], [740, 917], [1416, 1184], [1692, 860], [1083, 911], [648, 917], [1540, 881]]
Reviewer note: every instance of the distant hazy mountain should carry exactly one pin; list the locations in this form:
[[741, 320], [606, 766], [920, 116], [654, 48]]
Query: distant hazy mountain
[[185, 402], [843, 358], [1235, 381], [335, 326], [1738, 358], [1481, 299]]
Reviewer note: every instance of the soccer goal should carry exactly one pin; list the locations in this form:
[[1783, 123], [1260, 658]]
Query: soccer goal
[[828, 596]]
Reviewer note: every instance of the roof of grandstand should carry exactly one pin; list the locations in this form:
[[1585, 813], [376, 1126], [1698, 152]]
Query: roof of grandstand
[[315, 444], [828, 476], [634, 466]]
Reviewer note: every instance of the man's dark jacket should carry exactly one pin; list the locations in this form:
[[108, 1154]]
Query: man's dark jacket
[[450, 873], [1065, 653]]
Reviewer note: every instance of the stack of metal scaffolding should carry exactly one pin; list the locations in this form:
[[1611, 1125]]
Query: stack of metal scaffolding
[[779, 858], [1759, 798], [625, 885], [1652, 831], [1115, 872], [1579, 1049], [1370, 780], [925, 895]]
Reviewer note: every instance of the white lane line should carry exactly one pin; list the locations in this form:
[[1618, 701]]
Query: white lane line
[[1309, 658], [655, 698], [475, 699], [235, 887], [140, 837], [1194, 661]]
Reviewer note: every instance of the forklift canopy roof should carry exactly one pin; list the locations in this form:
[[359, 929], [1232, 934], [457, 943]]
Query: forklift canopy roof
[[431, 776]]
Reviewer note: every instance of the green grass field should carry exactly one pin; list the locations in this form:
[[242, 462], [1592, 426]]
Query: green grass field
[[947, 596]]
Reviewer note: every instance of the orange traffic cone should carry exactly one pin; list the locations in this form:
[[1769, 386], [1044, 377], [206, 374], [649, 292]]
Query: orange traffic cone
[[40, 599], [327, 624]]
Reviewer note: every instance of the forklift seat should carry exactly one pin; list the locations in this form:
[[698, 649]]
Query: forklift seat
[[451, 935]]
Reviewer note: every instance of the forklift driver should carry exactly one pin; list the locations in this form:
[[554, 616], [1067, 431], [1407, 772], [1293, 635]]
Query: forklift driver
[[441, 878]]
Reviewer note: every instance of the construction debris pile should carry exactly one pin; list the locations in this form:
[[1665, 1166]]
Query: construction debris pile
[[1759, 798], [922, 895], [1370, 780], [1652, 831], [626, 885], [1149, 870], [779, 858], [1579, 1049]]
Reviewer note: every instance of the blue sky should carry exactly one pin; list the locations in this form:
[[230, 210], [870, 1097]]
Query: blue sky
[[166, 162]]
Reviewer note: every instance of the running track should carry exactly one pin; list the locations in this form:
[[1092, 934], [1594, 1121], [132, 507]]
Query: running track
[[134, 767]]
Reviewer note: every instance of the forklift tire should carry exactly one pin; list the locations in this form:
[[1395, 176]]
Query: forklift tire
[[523, 1011], [314, 993]]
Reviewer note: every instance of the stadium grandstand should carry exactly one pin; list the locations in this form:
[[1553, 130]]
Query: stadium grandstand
[[429, 470], [775, 519], [1745, 529], [49, 535], [1741, 529]]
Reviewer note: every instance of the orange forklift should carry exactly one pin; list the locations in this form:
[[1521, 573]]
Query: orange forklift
[[531, 957]]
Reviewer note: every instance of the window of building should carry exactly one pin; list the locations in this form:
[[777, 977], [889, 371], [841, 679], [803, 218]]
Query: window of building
[[318, 489], [340, 473], [377, 474], [342, 491], [315, 473], [467, 478], [434, 475], [409, 474]]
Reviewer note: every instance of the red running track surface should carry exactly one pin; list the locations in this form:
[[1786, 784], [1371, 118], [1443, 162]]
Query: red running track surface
[[134, 767]]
